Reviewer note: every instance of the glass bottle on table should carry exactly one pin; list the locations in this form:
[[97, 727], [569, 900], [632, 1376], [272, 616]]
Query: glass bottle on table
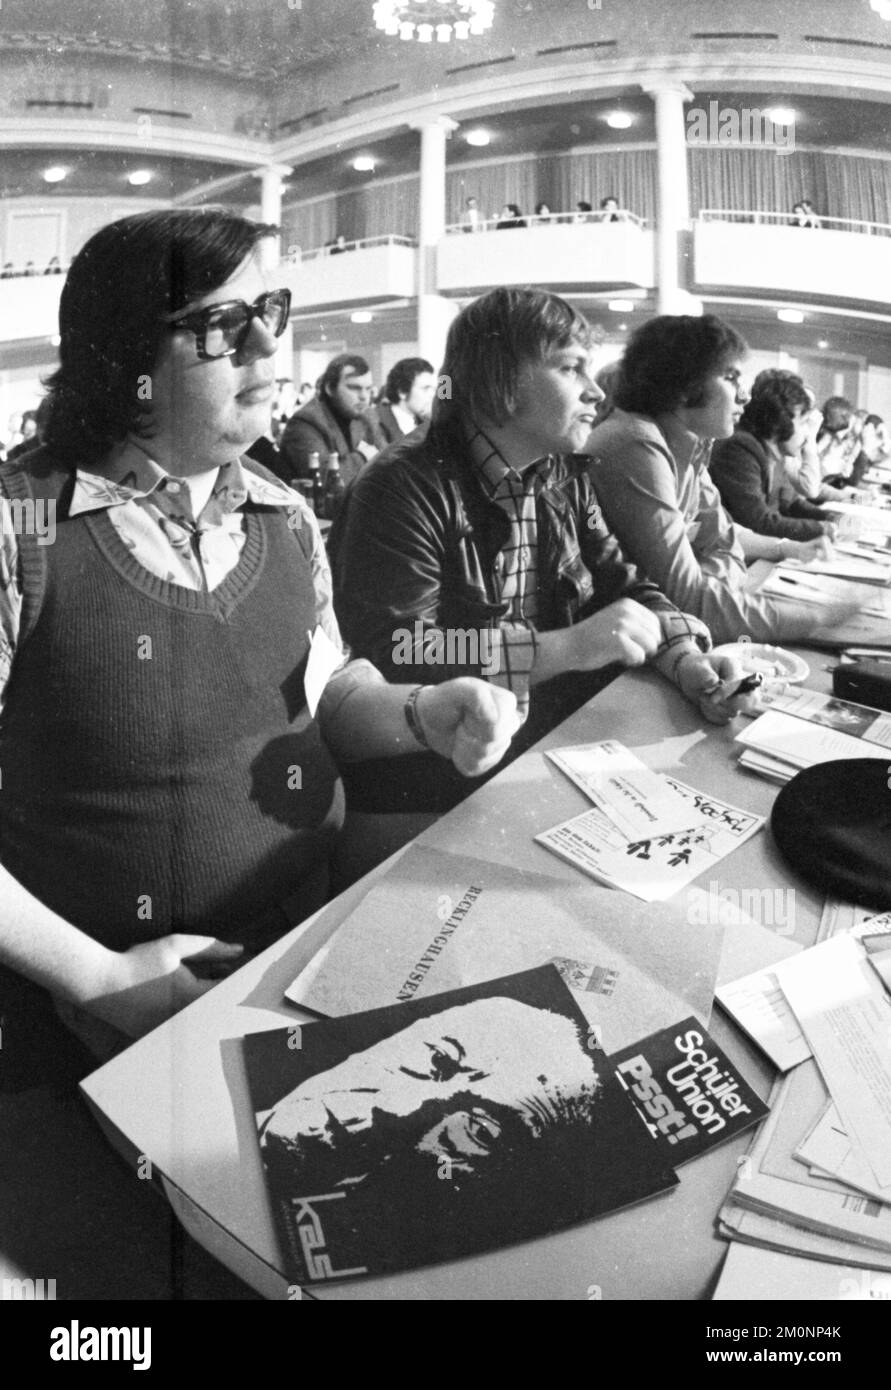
[[334, 487], [317, 487]]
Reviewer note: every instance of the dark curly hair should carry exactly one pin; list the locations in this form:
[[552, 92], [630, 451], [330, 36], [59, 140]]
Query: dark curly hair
[[669, 359], [119, 287], [776, 395], [401, 377]]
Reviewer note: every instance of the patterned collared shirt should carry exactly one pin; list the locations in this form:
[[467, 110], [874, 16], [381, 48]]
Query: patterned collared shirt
[[152, 511], [516, 493]]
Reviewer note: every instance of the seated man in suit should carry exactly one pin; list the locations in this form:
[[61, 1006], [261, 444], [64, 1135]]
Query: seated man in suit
[[408, 393], [338, 421], [482, 548]]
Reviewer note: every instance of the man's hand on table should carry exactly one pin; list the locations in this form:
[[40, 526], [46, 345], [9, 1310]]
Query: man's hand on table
[[704, 679], [468, 721]]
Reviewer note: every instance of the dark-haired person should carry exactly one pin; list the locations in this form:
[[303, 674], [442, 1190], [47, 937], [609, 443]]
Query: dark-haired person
[[482, 548], [842, 460], [338, 421], [511, 216], [748, 468], [803, 215], [610, 211], [679, 389], [408, 398], [168, 798]]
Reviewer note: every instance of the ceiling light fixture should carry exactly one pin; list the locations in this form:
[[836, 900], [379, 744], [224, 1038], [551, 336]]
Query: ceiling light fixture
[[790, 316], [364, 164], [422, 19], [477, 137], [139, 178], [619, 120], [823, 344], [361, 316], [55, 174], [781, 115], [621, 306]]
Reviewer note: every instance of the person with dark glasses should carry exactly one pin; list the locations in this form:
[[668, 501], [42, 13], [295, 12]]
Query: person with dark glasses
[[170, 789]]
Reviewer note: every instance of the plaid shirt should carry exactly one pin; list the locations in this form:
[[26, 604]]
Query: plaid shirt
[[516, 493]]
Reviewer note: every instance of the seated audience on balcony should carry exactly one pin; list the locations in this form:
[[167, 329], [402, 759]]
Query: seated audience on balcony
[[511, 216], [338, 420], [679, 388], [338, 245], [748, 468], [490, 528], [803, 215], [162, 783], [53, 266], [610, 211], [407, 398], [8, 272], [471, 218], [584, 212], [30, 268], [543, 211]]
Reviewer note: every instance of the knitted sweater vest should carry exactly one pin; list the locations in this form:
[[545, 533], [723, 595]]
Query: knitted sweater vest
[[160, 771]]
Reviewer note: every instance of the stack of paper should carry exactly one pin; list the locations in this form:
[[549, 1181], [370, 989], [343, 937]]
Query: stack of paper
[[801, 728], [648, 834], [817, 1181], [822, 590], [850, 561]]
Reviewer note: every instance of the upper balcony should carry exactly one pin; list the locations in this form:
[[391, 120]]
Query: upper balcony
[[374, 271], [842, 261], [560, 251], [29, 306]]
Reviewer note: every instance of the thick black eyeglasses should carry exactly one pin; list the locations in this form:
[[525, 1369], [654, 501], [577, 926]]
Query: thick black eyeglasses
[[221, 330]]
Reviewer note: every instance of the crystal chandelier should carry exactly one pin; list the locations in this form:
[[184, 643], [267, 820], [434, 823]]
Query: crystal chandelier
[[424, 19]]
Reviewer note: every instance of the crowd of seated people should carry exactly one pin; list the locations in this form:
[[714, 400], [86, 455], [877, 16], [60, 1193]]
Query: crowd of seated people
[[576, 534], [11, 271], [679, 389], [473, 219]]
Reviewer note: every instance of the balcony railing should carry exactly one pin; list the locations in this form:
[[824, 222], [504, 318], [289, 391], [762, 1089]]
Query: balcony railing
[[557, 251], [375, 270], [845, 261], [297, 256], [789, 219], [547, 219]]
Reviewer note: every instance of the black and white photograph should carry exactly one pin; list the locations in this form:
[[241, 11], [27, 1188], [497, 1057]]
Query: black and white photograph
[[433, 1129], [380, 597]]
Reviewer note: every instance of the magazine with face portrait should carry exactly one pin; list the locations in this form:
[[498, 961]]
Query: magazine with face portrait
[[442, 1127]]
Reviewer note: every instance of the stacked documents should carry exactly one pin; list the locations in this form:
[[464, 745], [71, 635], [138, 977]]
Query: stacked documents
[[817, 1180], [801, 728], [648, 834]]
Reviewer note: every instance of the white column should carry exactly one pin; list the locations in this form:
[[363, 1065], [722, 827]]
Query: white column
[[271, 177], [435, 312], [674, 192]]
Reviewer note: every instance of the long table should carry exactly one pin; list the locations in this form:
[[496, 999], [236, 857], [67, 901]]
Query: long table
[[179, 1097]]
